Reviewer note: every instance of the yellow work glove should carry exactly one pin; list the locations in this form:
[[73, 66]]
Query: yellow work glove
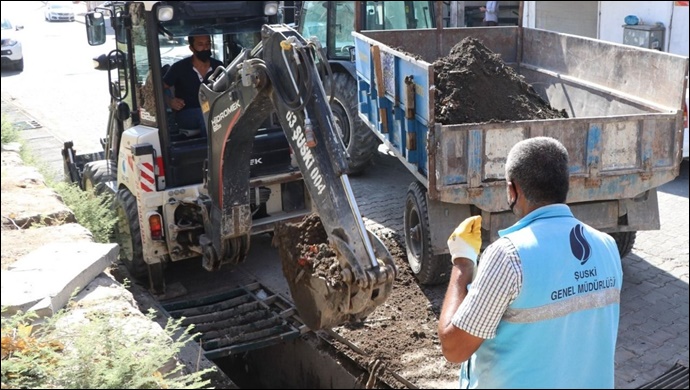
[[466, 240]]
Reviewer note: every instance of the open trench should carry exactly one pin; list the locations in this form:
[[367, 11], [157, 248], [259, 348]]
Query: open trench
[[256, 338]]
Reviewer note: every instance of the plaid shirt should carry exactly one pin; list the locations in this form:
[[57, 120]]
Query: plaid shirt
[[496, 285]]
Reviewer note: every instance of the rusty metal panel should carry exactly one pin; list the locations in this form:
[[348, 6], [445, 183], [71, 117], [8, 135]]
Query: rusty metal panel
[[621, 147], [645, 75], [498, 143], [581, 100], [610, 157], [666, 138], [600, 215], [642, 215], [568, 132], [422, 43]]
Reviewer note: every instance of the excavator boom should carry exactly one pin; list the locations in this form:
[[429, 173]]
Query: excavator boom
[[281, 76]]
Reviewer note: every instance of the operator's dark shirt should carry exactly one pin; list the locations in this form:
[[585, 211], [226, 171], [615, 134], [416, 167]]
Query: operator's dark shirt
[[185, 79]]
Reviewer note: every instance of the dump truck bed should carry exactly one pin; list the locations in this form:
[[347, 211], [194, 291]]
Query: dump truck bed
[[624, 103]]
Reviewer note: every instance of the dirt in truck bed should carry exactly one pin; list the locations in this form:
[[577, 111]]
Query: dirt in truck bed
[[473, 85]]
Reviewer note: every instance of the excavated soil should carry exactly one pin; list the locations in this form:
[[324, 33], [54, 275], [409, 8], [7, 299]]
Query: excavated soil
[[309, 264], [474, 85]]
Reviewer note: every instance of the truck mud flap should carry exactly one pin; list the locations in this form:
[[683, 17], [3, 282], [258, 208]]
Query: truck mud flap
[[244, 319]]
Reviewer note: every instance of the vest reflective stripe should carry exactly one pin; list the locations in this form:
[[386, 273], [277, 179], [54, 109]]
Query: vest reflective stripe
[[559, 309]]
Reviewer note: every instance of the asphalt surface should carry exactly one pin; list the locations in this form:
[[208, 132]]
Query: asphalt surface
[[653, 334]]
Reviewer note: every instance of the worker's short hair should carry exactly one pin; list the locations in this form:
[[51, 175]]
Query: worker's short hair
[[195, 33], [540, 166]]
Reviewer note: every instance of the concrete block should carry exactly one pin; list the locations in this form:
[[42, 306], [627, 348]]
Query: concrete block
[[44, 280]]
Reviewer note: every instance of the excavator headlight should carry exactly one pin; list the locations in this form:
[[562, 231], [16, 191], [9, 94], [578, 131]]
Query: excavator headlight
[[165, 13], [270, 8]]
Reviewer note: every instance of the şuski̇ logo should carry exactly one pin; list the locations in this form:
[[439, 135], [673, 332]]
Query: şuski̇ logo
[[579, 245]]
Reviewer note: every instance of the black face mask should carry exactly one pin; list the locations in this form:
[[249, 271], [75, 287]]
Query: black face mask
[[512, 204], [203, 55]]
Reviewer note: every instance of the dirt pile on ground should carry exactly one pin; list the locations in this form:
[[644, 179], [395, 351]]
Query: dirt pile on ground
[[473, 85], [401, 335]]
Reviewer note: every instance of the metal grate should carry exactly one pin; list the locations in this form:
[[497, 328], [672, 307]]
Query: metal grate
[[26, 125], [675, 378], [240, 320]]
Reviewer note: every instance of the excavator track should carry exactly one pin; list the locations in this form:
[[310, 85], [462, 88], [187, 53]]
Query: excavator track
[[244, 319]]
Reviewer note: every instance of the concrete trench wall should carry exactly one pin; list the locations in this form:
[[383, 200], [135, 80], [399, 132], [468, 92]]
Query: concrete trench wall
[[306, 362]]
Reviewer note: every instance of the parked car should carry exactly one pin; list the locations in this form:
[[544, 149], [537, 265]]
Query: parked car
[[11, 46], [56, 11]]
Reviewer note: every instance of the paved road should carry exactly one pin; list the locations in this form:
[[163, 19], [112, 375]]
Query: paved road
[[59, 91], [653, 332]]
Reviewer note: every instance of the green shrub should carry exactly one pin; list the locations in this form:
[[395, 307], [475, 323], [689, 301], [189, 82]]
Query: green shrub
[[93, 212], [96, 352], [9, 132]]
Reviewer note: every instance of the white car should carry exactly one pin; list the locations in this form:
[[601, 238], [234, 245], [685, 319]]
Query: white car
[[12, 55], [58, 11]]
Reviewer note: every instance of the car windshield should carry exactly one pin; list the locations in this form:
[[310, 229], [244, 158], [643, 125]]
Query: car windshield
[[6, 25], [58, 5]]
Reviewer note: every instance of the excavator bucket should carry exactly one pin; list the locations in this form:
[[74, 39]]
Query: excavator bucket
[[320, 275]]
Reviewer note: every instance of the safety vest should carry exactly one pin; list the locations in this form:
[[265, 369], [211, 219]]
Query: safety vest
[[560, 332]]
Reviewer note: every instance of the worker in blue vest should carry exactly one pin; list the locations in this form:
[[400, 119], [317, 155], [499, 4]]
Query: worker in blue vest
[[541, 309]]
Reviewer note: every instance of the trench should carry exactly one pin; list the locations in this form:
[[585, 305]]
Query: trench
[[255, 337], [308, 362]]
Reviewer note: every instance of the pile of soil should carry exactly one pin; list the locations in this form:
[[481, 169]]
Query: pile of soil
[[473, 85]]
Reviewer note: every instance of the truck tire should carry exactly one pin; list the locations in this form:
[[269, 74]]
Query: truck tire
[[127, 234], [97, 174], [360, 141], [430, 269], [624, 241]]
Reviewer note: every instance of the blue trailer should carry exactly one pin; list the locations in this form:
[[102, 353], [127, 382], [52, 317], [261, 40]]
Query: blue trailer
[[623, 132]]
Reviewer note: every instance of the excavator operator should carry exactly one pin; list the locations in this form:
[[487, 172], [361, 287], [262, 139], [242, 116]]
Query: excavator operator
[[185, 77]]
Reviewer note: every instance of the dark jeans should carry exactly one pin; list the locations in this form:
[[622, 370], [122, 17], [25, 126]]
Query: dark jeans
[[191, 119], [490, 23]]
